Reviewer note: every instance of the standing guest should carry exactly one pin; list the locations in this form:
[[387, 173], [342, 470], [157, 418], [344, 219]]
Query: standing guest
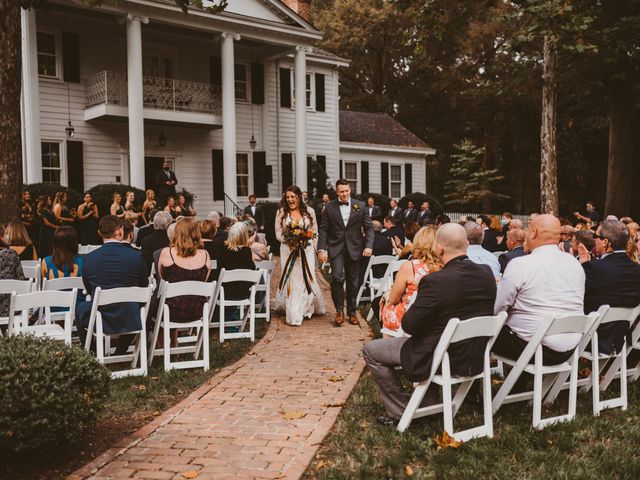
[[425, 213], [424, 260], [546, 282], [255, 212], [259, 250], [325, 199], [374, 210], [476, 252], [64, 261], [214, 217], [113, 265], [207, 233], [591, 216], [515, 245], [130, 202], [10, 269], [117, 210], [410, 214], [148, 205], [442, 219], [64, 216], [395, 212], [305, 197], [157, 239], [221, 237], [236, 255], [87, 219], [49, 225], [17, 237], [184, 260], [29, 217], [170, 208], [490, 240], [184, 209], [166, 181]]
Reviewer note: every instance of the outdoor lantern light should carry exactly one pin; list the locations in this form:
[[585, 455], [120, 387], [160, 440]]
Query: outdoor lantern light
[[253, 142], [70, 130]]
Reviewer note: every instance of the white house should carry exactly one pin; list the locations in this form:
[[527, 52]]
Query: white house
[[141, 82]]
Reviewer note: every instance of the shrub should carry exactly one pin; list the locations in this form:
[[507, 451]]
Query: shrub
[[50, 394], [103, 195], [44, 189], [417, 199], [269, 210]]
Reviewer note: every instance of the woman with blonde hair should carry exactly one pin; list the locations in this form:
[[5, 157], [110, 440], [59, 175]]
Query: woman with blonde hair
[[116, 207], [237, 255], [17, 237], [148, 205], [61, 211], [130, 202], [403, 292], [632, 244]]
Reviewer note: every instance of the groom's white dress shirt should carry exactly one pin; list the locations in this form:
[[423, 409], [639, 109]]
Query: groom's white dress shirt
[[345, 211]]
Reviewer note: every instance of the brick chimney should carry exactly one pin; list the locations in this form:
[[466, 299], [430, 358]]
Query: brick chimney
[[301, 7]]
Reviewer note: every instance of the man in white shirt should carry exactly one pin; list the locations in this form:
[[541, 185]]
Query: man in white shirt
[[476, 253], [546, 282]]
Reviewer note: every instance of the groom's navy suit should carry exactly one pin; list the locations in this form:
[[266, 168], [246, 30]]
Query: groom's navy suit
[[344, 244]]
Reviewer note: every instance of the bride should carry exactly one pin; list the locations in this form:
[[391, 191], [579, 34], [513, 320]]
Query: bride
[[294, 298]]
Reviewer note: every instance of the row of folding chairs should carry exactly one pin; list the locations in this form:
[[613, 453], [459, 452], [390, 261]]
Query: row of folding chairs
[[548, 380]]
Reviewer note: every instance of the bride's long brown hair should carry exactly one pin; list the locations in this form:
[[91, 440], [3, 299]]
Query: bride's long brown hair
[[284, 205]]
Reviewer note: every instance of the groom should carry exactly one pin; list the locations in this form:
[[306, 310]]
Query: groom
[[345, 236]]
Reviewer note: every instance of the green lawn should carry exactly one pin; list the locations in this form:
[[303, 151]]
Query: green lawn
[[359, 448]]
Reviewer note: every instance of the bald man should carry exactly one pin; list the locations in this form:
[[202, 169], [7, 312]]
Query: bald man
[[462, 289], [548, 281], [515, 245]]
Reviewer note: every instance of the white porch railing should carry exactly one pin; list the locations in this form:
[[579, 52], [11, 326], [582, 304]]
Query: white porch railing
[[109, 87]]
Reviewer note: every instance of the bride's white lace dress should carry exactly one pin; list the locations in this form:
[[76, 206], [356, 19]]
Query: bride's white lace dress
[[294, 299]]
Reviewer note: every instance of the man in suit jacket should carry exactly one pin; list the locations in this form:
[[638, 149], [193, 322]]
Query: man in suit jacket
[[221, 236], [111, 266], [515, 244], [395, 211], [410, 214], [425, 213], [462, 289], [158, 239], [374, 211], [255, 212], [612, 280], [393, 229], [165, 181], [490, 239], [345, 236]]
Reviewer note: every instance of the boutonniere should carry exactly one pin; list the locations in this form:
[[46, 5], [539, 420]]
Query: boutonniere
[[355, 207]]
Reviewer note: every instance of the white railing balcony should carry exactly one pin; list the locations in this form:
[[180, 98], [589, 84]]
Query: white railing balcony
[[110, 88]]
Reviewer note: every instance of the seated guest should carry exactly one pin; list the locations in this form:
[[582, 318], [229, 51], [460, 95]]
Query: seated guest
[[156, 240], [236, 255], [111, 266], [214, 217], [64, 261], [221, 237], [424, 260], [381, 242], [566, 234], [373, 210], [584, 238], [404, 251], [442, 219], [10, 269], [393, 229], [146, 229], [545, 282], [612, 280], [490, 237], [515, 244], [516, 223], [184, 260], [16, 236], [207, 233], [259, 250], [462, 289], [132, 218], [127, 232], [476, 252]]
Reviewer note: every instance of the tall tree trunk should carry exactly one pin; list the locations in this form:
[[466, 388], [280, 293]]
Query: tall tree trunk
[[548, 160], [621, 134], [10, 130]]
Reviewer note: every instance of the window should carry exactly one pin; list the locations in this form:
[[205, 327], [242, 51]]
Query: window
[[395, 181], [157, 65], [51, 162], [310, 86], [47, 54], [242, 174], [240, 74], [351, 175]]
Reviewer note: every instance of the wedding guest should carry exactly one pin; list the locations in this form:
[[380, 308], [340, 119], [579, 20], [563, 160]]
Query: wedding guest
[[49, 225], [87, 219], [132, 218], [64, 216], [425, 213], [166, 181], [582, 237], [489, 239], [476, 252], [130, 202], [146, 229], [259, 250], [592, 216], [29, 217], [237, 255], [117, 210], [566, 234], [157, 239], [171, 207], [442, 219], [207, 233], [375, 213], [410, 214], [214, 217], [424, 260], [325, 199], [256, 212], [64, 261], [395, 212], [221, 237], [404, 250], [184, 209], [393, 229], [382, 244], [17, 237], [515, 245], [127, 232], [10, 269], [148, 205]]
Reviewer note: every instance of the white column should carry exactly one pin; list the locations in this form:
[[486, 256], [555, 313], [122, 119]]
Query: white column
[[134, 92], [301, 117], [229, 115], [31, 98]]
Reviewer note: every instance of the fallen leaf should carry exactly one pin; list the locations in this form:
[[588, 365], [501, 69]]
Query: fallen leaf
[[329, 368], [409, 471], [497, 381], [549, 441], [142, 387], [190, 474], [293, 414], [279, 476], [447, 441], [336, 378], [321, 464], [331, 405]]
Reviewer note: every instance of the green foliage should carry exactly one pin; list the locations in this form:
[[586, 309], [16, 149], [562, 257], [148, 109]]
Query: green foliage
[[50, 189], [317, 180], [269, 210], [469, 182], [50, 394], [103, 195]]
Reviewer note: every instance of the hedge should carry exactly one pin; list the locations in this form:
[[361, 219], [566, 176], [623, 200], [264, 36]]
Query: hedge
[[50, 189]]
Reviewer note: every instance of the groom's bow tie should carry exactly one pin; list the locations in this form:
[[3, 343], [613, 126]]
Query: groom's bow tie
[[346, 204]]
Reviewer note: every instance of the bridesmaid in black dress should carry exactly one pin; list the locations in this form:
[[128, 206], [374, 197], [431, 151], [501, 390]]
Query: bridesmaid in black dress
[[88, 221], [130, 203], [49, 225], [61, 210], [184, 209], [171, 207], [116, 207], [148, 205], [29, 217]]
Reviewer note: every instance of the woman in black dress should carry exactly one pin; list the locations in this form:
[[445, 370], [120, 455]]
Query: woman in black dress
[[148, 205], [17, 237], [88, 221], [116, 207], [49, 225], [130, 203], [29, 217], [237, 255], [171, 207], [61, 211], [184, 209]]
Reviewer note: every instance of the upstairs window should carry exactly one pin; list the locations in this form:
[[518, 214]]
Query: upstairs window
[[48, 55]]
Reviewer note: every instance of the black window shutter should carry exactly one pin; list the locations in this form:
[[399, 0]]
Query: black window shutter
[[287, 170], [215, 71], [75, 165], [309, 174], [71, 57], [260, 183], [257, 83], [217, 169], [319, 92], [364, 177], [340, 169], [322, 160], [408, 179], [285, 88], [384, 178]]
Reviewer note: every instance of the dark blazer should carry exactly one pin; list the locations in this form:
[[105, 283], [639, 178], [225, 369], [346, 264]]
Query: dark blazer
[[218, 245], [490, 240], [614, 281], [143, 232], [162, 189], [151, 243], [334, 236], [113, 265], [424, 215], [462, 289], [382, 244], [376, 213], [396, 231], [258, 217], [410, 215], [397, 215], [506, 257], [230, 260]]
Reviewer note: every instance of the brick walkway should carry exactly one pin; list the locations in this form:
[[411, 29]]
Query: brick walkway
[[244, 422]]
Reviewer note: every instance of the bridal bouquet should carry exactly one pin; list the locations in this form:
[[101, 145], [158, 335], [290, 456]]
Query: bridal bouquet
[[297, 237]]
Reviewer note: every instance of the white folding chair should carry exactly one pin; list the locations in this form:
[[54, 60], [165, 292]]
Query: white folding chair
[[191, 343], [246, 305], [379, 288], [370, 280], [551, 325], [28, 302], [456, 331], [634, 345], [113, 296], [263, 309], [58, 284], [214, 264], [32, 270], [7, 287]]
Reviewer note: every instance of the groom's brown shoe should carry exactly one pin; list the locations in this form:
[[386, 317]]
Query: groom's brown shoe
[[353, 319], [339, 319]]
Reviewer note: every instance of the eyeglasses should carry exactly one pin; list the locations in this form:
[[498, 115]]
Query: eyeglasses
[[597, 236]]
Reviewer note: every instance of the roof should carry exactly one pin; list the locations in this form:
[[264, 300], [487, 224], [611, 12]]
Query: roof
[[376, 129], [318, 52]]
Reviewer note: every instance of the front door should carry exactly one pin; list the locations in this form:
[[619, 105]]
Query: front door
[[152, 165]]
